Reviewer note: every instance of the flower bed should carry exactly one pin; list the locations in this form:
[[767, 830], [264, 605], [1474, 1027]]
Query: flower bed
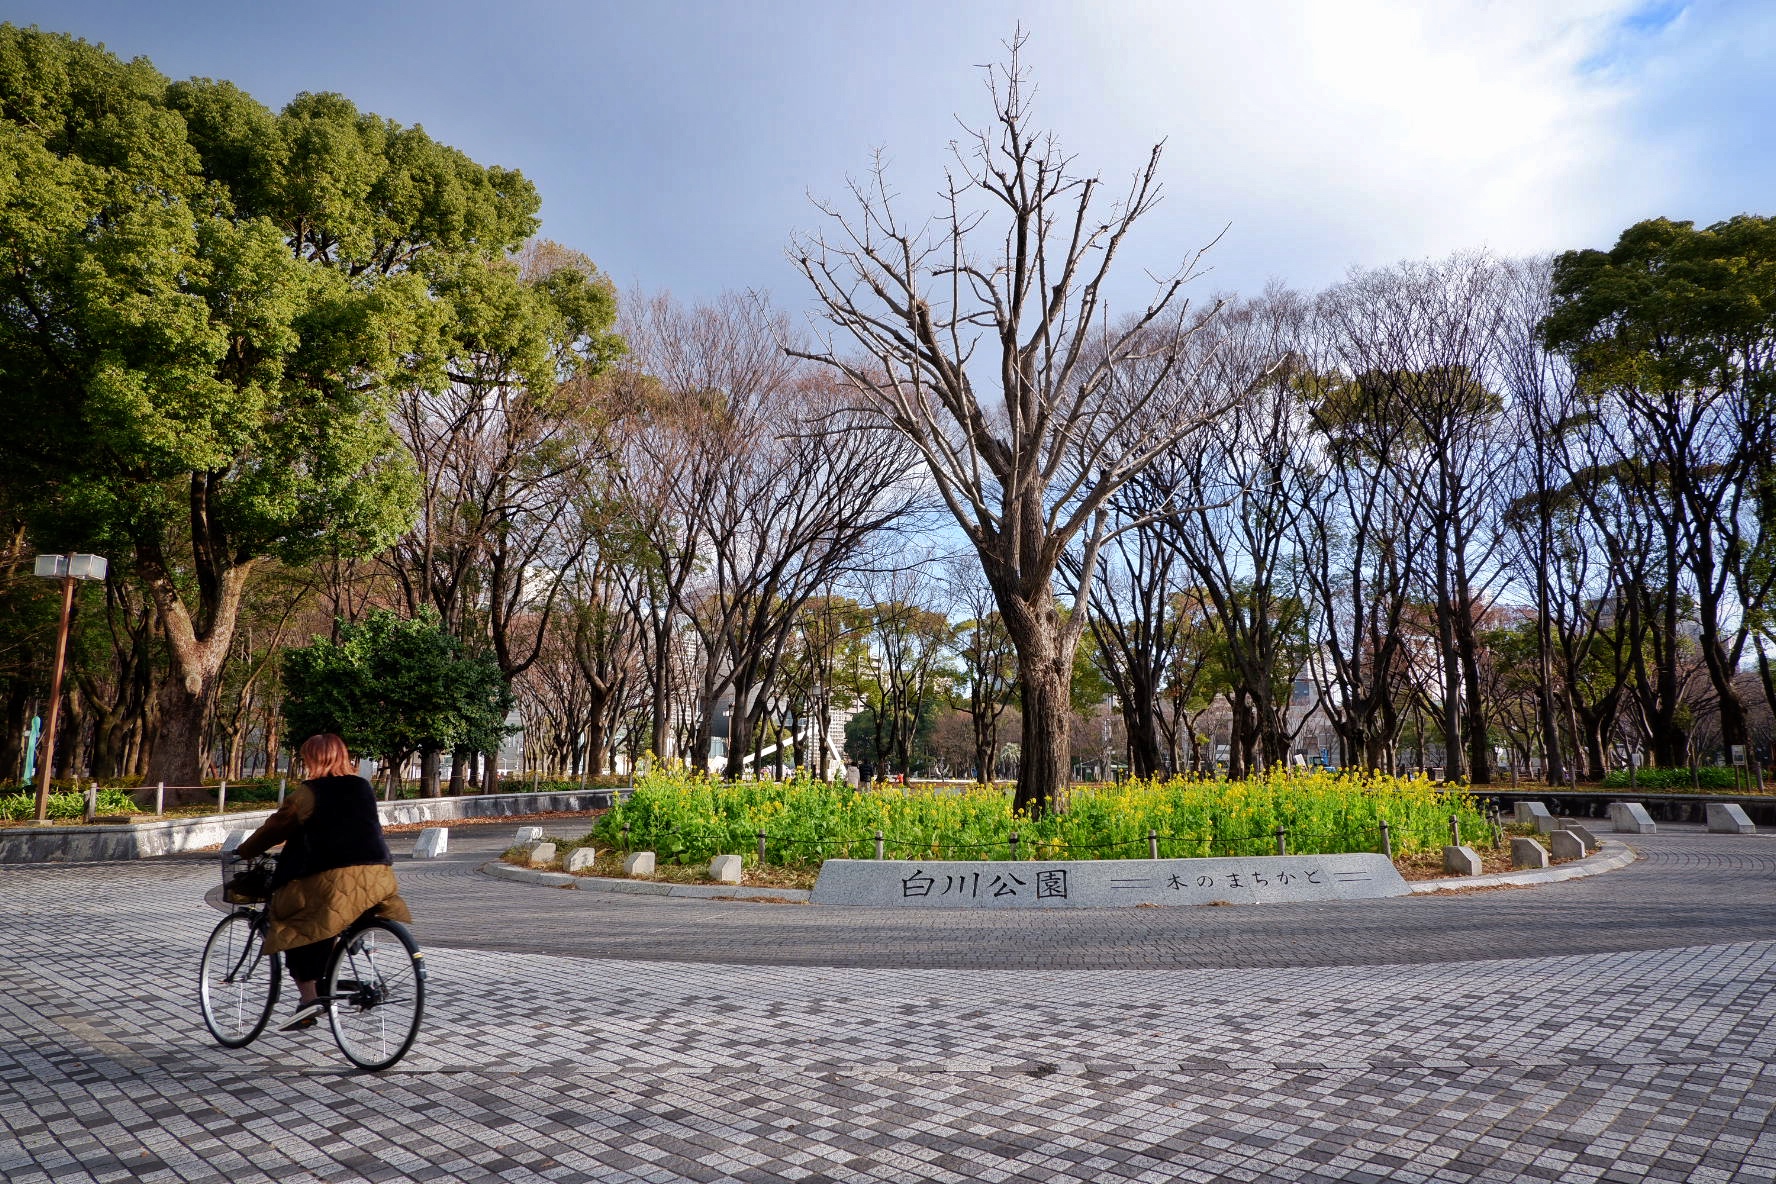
[[688, 820]]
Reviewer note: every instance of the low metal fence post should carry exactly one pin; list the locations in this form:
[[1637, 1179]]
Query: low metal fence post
[[92, 801], [1153, 844], [222, 798], [1455, 830], [761, 839], [1014, 844], [1282, 836], [160, 793], [281, 782], [878, 844]]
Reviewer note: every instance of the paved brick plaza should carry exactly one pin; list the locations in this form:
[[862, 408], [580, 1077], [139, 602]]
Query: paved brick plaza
[[1615, 1028]]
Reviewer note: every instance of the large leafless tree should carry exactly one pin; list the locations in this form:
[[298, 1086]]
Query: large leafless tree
[[984, 337]]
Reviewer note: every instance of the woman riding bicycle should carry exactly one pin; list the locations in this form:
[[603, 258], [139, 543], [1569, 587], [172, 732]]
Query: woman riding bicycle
[[334, 868]]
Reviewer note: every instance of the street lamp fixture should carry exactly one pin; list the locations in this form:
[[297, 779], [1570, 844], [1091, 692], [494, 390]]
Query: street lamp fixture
[[69, 569]]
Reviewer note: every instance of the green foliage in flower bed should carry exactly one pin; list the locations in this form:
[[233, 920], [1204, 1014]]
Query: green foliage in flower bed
[[686, 819], [1672, 780], [16, 806]]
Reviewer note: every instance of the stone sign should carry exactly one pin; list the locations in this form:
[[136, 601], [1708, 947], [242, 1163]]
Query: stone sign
[[1104, 883]]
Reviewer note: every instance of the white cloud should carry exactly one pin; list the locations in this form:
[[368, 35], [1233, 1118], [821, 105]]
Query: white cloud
[[1360, 131]]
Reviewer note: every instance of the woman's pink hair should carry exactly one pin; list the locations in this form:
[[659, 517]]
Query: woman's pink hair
[[326, 756]]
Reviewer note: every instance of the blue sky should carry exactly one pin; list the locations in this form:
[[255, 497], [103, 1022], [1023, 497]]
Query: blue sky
[[676, 143]]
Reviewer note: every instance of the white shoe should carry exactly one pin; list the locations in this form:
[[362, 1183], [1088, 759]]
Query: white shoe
[[306, 1016]]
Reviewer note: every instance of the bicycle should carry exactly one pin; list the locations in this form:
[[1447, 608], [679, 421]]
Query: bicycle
[[374, 987]]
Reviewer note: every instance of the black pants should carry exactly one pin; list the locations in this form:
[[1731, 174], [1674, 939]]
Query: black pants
[[309, 963]]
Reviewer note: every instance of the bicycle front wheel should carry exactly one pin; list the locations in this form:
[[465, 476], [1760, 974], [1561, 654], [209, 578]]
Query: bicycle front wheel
[[376, 993], [237, 980]]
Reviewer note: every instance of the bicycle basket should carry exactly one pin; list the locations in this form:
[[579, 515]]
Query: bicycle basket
[[249, 881]]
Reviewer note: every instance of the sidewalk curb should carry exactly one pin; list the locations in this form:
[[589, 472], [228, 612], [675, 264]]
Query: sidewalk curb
[[524, 875], [1611, 854]]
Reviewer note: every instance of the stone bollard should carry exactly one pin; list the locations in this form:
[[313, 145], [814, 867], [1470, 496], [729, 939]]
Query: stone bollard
[[725, 869], [433, 842], [1538, 816], [1585, 836], [1461, 861], [1527, 853], [581, 859], [1729, 818], [1631, 818], [639, 863], [528, 834], [1567, 845], [542, 855]]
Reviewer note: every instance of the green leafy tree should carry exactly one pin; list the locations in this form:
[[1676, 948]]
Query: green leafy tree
[[203, 308], [392, 687], [1672, 336]]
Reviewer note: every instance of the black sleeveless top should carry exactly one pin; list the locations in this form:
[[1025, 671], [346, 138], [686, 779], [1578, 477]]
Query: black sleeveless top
[[343, 831]]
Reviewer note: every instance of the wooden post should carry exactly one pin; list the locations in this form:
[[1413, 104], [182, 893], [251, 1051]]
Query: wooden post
[[222, 797], [160, 793]]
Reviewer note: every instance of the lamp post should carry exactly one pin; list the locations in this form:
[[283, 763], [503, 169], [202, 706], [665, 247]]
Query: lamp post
[[67, 568]]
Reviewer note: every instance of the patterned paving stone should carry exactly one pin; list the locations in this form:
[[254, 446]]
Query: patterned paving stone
[[1613, 1029]]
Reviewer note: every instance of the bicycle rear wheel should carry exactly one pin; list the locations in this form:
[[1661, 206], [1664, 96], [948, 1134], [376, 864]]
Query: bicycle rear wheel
[[376, 993], [237, 980]]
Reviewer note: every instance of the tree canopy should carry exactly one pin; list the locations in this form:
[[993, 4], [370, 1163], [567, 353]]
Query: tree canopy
[[393, 686]]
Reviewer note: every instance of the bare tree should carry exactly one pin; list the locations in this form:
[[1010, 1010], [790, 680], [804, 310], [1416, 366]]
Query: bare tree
[[1007, 288], [1230, 508], [1421, 339]]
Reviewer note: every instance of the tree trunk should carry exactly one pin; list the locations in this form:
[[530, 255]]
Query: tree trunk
[[12, 738], [177, 757], [1045, 764], [198, 649], [428, 773]]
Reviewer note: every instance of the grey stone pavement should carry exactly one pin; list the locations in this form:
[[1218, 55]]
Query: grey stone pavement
[[1616, 1028]]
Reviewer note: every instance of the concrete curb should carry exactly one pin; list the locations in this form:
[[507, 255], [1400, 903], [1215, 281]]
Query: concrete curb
[[1610, 856], [78, 843], [525, 875]]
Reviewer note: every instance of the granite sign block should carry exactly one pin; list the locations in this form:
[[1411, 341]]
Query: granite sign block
[[528, 834], [725, 869], [1537, 814], [1585, 836], [433, 842], [581, 859], [1105, 882], [542, 855], [638, 863]]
